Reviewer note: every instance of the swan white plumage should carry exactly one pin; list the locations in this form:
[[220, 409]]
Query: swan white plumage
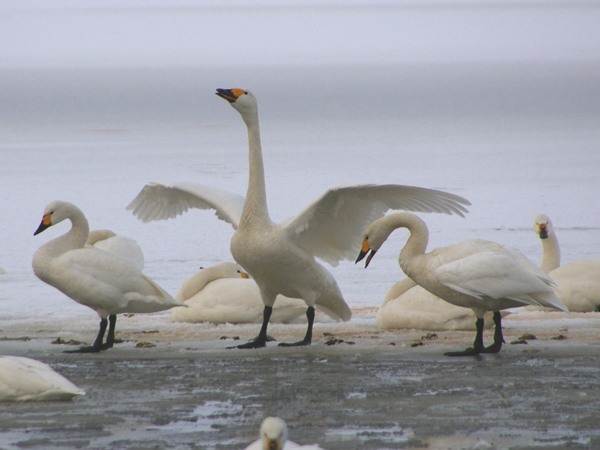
[[26, 379], [223, 293], [578, 281], [409, 306], [476, 274], [273, 436], [281, 257], [122, 246], [93, 277]]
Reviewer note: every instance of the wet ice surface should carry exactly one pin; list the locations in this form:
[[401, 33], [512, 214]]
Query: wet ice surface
[[372, 390], [456, 109]]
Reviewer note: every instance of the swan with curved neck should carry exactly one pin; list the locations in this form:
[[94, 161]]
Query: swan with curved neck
[[281, 257], [95, 278], [578, 281], [476, 274]]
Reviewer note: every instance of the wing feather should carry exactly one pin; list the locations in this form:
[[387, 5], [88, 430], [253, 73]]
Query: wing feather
[[160, 201]]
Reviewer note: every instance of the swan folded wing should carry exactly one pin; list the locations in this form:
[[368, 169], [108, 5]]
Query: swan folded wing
[[107, 283], [159, 201], [330, 228], [496, 275]]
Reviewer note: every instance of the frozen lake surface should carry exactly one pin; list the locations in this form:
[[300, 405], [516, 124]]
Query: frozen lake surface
[[513, 128]]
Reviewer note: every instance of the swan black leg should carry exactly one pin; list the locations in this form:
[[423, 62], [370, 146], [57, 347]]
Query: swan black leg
[[477, 344], [498, 338], [310, 315], [261, 339], [110, 338], [97, 345]]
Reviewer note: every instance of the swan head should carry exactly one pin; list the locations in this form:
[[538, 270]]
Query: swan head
[[243, 101], [55, 212], [273, 433], [542, 226], [374, 237]]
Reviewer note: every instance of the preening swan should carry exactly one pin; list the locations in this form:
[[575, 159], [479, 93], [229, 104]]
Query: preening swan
[[95, 278], [121, 246], [409, 306], [273, 436], [281, 257], [223, 293], [23, 379], [477, 274], [578, 281]]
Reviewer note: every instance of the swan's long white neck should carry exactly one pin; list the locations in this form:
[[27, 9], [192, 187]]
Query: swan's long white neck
[[255, 208], [550, 253], [417, 241], [73, 239], [199, 281]]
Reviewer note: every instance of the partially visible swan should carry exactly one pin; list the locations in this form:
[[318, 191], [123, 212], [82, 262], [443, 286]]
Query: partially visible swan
[[121, 246], [23, 379], [409, 306], [578, 281], [281, 257], [93, 277], [2, 271], [477, 274], [273, 436], [223, 293]]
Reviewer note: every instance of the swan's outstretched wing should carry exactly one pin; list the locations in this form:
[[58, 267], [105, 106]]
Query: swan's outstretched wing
[[330, 228], [159, 201]]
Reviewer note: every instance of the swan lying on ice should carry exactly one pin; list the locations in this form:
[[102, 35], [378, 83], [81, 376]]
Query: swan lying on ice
[[93, 277], [578, 281], [273, 436], [223, 293], [121, 246], [24, 379], [476, 274], [281, 257]]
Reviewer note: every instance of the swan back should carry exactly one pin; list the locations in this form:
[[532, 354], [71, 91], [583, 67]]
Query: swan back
[[23, 379], [121, 246]]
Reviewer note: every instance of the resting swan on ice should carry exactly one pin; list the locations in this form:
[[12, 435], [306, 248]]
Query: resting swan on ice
[[477, 274], [273, 436], [25, 379], [281, 257], [578, 281], [93, 277], [224, 293]]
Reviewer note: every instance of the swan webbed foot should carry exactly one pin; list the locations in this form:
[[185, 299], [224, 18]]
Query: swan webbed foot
[[471, 351], [295, 344], [254, 343], [88, 349]]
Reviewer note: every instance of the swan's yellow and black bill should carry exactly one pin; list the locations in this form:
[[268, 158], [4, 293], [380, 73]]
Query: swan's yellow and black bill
[[367, 251], [45, 223], [231, 95]]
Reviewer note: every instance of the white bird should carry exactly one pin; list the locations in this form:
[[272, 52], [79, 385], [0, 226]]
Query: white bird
[[281, 257], [409, 306], [93, 277], [224, 293], [23, 379], [578, 281], [273, 436], [122, 246], [477, 274]]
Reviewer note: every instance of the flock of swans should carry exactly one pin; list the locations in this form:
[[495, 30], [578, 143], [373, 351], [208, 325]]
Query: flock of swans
[[277, 278]]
